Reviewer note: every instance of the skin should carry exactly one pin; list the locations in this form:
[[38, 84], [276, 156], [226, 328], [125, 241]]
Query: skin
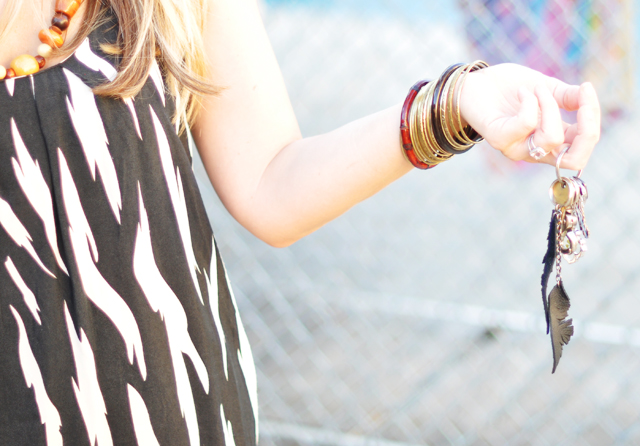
[[23, 39], [282, 187]]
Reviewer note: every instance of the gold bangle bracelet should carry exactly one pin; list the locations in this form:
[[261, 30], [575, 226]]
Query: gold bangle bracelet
[[451, 133], [473, 66]]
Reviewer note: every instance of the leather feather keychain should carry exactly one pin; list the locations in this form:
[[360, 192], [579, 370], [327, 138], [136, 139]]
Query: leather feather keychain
[[567, 238]]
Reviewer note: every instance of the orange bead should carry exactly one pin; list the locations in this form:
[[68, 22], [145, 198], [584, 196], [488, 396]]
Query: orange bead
[[45, 37], [25, 65], [67, 7], [52, 39], [41, 61], [10, 73], [58, 36]]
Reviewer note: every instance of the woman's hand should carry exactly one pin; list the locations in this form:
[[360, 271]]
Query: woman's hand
[[507, 103]]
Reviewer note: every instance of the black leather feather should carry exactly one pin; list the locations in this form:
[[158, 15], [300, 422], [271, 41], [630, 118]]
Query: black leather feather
[[561, 329], [548, 260]]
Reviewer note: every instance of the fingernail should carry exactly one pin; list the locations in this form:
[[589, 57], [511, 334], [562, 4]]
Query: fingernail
[[588, 85]]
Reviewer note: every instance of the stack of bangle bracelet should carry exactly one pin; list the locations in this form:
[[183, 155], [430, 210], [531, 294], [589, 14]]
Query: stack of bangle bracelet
[[431, 126]]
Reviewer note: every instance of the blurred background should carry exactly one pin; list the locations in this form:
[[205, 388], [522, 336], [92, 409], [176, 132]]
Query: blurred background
[[416, 317]]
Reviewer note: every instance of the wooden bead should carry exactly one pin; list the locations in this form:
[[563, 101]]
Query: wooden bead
[[45, 50], [41, 61], [3, 72], [25, 65], [67, 7], [10, 73], [57, 35], [63, 35], [46, 38], [50, 38], [60, 21]]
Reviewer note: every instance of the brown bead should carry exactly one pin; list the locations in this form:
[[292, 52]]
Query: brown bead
[[60, 21], [54, 40], [41, 61], [55, 29], [67, 7], [25, 65], [10, 73]]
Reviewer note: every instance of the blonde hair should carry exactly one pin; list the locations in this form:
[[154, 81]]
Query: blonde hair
[[169, 31]]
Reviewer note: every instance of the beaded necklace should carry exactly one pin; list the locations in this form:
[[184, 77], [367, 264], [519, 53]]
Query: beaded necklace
[[53, 37]]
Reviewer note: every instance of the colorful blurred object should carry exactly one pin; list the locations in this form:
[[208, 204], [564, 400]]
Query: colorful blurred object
[[573, 40]]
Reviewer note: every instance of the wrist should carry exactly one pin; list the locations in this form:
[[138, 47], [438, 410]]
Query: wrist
[[459, 103], [463, 103], [431, 124]]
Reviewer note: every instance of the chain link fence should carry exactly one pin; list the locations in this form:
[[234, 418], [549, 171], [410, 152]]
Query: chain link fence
[[415, 318]]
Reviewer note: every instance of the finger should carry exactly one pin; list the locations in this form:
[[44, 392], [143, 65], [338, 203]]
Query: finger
[[587, 129], [570, 133], [566, 96], [515, 129], [552, 157], [550, 133]]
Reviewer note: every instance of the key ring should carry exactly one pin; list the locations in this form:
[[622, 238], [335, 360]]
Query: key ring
[[568, 146]]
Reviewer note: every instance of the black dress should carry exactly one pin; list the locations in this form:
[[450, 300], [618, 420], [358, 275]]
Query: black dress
[[117, 324]]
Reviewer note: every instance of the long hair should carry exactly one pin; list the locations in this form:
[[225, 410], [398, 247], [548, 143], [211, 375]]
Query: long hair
[[169, 31]]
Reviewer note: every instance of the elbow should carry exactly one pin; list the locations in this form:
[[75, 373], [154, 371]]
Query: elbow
[[275, 239], [277, 243], [272, 226], [275, 235]]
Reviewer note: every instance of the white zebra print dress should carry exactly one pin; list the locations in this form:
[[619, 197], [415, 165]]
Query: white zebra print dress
[[117, 324]]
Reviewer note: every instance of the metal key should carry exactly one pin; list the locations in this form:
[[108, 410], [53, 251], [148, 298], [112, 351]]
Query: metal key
[[584, 195], [569, 194], [563, 192]]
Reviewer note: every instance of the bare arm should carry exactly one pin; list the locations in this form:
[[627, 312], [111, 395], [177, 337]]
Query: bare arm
[[282, 187], [277, 185]]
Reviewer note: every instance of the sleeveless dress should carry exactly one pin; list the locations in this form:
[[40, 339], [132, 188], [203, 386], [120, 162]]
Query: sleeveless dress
[[117, 324]]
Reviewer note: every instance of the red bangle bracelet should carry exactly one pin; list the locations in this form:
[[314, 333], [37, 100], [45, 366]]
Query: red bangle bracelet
[[407, 145]]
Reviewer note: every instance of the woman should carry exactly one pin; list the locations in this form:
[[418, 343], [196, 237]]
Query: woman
[[116, 321]]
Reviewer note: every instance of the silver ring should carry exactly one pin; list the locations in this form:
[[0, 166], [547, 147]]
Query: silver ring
[[567, 147], [536, 152]]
